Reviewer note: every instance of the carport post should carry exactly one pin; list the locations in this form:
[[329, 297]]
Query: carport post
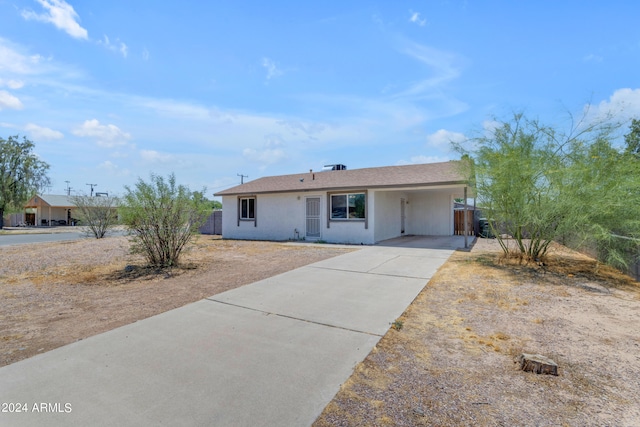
[[466, 239]]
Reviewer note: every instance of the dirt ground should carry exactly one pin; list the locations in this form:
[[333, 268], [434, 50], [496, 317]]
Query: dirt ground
[[448, 361], [52, 294], [452, 363]]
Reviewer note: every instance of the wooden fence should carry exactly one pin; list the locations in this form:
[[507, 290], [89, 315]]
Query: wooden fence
[[458, 221]]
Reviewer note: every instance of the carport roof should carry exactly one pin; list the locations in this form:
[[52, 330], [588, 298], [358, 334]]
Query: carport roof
[[421, 175], [55, 201]]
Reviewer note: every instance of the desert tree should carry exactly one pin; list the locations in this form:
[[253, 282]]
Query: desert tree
[[22, 173], [538, 183], [515, 181], [162, 218], [98, 214], [605, 187], [632, 139]]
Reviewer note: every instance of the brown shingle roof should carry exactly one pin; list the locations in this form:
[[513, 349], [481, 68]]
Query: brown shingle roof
[[422, 175]]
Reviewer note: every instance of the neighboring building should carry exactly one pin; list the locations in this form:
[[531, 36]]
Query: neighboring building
[[346, 206], [49, 209]]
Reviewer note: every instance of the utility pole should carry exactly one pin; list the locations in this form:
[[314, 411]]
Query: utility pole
[[92, 185], [242, 177], [68, 188]]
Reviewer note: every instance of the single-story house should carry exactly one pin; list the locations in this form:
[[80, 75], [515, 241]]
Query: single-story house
[[359, 206], [49, 209]]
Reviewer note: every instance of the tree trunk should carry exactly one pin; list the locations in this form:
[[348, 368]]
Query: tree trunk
[[537, 364]]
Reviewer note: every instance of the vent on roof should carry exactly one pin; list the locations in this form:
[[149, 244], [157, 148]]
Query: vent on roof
[[337, 167]]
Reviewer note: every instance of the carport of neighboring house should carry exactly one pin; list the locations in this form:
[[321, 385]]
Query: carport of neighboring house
[[47, 210]]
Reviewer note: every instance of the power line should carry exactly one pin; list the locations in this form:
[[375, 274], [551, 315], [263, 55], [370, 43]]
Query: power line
[[242, 177]]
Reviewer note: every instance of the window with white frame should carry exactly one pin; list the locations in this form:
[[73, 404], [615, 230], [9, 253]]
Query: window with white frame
[[248, 208], [348, 206]]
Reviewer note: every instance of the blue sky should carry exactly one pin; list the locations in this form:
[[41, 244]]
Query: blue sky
[[111, 91]]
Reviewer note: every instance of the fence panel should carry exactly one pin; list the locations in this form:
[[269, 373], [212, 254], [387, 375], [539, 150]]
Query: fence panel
[[458, 220], [213, 224]]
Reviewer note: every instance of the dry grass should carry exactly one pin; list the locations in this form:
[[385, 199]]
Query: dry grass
[[55, 293], [452, 363]]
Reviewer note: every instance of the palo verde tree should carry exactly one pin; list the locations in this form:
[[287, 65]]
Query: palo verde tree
[[162, 218], [98, 214], [632, 139], [514, 171], [22, 173], [538, 184], [603, 184]]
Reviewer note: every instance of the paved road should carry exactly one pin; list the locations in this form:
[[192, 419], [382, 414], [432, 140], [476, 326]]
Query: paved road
[[54, 236], [20, 239], [272, 353]]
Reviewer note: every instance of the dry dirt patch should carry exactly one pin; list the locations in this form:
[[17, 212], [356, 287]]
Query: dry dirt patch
[[52, 294], [452, 362]]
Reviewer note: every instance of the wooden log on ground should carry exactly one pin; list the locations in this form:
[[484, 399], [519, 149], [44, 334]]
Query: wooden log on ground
[[537, 364]]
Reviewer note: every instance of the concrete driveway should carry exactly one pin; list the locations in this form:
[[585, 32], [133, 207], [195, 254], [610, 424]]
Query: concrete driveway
[[274, 352]]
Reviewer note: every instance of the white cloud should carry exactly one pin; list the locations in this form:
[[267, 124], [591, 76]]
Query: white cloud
[[61, 14], [175, 109], [12, 84], [490, 126], [108, 165], [113, 169], [42, 133], [273, 140], [415, 18], [623, 105], [272, 68], [153, 156], [423, 159], [118, 46], [8, 101], [444, 67], [265, 156], [108, 136], [309, 129], [443, 138], [11, 61], [145, 54]]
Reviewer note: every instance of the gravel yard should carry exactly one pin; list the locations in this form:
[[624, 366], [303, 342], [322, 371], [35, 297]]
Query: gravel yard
[[450, 360], [52, 294]]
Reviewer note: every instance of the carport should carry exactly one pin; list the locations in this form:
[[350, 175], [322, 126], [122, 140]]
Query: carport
[[47, 210], [427, 242]]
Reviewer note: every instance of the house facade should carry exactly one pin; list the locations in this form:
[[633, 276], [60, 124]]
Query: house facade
[[359, 206], [49, 209]]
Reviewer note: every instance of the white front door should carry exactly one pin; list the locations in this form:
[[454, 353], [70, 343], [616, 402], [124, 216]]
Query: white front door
[[313, 218]]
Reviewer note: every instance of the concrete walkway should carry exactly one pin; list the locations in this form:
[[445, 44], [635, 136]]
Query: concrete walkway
[[271, 353]]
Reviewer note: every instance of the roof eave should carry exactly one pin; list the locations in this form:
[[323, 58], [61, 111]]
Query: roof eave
[[344, 188]]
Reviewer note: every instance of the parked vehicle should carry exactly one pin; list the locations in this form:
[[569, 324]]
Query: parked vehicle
[[485, 229]]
